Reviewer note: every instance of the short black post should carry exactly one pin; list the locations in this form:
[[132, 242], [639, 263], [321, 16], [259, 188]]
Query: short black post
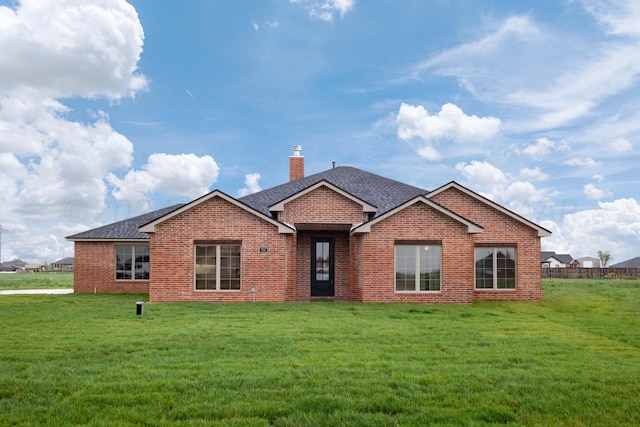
[[139, 306]]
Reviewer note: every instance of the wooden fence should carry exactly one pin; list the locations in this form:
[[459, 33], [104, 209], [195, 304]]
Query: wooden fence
[[591, 273]]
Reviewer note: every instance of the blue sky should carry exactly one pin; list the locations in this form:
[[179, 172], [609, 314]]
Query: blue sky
[[109, 109]]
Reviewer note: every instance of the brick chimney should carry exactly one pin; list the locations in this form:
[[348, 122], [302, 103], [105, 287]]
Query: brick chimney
[[296, 164]]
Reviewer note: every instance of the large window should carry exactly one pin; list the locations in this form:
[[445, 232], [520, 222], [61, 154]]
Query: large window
[[217, 267], [418, 268], [132, 262], [495, 268]]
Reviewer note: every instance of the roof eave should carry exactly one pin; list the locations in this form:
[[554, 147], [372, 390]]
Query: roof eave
[[366, 207], [542, 232], [366, 226], [150, 227]]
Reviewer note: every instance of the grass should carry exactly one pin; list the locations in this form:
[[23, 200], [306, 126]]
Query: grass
[[30, 280], [571, 360]]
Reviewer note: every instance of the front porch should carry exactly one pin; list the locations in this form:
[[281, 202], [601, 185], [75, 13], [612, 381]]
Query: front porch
[[323, 262]]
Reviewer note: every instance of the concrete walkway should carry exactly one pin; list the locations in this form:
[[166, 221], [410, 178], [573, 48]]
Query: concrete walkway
[[38, 292]]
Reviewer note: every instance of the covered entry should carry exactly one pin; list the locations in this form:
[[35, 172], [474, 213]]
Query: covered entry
[[323, 261], [322, 266]]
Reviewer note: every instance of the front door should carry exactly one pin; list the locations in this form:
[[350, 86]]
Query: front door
[[322, 267]]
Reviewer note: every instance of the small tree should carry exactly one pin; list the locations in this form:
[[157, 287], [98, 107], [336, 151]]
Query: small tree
[[605, 258]]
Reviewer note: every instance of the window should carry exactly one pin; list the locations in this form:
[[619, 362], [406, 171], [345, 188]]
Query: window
[[495, 268], [132, 262], [418, 268], [217, 267]]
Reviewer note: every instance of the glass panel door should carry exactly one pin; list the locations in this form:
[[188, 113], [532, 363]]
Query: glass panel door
[[322, 269]]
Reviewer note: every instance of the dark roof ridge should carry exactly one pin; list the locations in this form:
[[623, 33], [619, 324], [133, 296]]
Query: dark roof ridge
[[376, 190]]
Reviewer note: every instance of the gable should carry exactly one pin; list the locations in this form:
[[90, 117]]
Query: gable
[[323, 203], [364, 187], [151, 226], [471, 227], [466, 202]]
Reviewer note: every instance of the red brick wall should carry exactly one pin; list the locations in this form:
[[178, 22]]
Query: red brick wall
[[323, 205], [341, 263], [173, 260], [501, 229], [296, 167], [364, 264], [95, 271], [416, 222]]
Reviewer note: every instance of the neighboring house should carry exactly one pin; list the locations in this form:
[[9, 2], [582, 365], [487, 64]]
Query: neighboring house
[[14, 265], [64, 264], [630, 263], [342, 234], [34, 267], [588, 262], [554, 260]]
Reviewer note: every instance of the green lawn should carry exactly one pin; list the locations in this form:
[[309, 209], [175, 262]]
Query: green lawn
[[49, 280], [571, 360]]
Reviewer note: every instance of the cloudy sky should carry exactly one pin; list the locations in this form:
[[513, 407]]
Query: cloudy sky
[[109, 109]]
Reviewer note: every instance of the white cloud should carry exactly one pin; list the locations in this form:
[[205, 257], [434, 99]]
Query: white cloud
[[326, 10], [182, 174], [586, 162], [90, 48], [482, 174], [534, 174], [613, 226], [269, 24], [620, 17], [540, 149], [523, 63], [491, 182], [594, 193], [449, 123], [520, 197], [273, 24], [429, 153], [621, 145], [57, 161], [251, 184], [53, 168]]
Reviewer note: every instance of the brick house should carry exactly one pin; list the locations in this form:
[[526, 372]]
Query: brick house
[[343, 234]]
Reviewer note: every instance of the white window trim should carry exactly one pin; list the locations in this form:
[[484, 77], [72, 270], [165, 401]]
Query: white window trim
[[218, 257], [417, 266]]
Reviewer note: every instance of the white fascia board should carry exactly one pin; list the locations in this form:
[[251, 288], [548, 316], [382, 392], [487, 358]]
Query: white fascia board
[[542, 232], [151, 227], [279, 207], [471, 227]]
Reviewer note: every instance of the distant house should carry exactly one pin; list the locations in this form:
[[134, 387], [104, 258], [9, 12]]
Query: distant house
[[64, 264], [630, 263], [551, 259], [34, 267], [342, 234], [587, 262], [14, 265]]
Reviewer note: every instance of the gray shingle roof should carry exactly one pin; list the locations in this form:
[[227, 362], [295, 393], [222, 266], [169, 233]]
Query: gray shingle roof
[[563, 258], [383, 193], [125, 229], [630, 263], [64, 261]]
